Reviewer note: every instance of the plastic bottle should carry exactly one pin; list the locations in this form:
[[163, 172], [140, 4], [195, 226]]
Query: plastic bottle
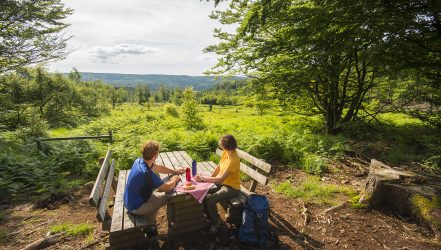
[[193, 168]]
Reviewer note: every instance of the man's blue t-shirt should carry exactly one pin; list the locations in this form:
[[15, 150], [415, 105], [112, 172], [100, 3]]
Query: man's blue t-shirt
[[140, 184]]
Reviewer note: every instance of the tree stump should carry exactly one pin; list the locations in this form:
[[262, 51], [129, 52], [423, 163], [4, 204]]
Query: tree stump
[[405, 192]]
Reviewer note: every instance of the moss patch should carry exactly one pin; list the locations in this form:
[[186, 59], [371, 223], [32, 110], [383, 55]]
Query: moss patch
[[70, 229], [425, 207], [313, 190], [355, 204]]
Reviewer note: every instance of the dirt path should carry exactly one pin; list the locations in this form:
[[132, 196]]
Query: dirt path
[[346, 228]]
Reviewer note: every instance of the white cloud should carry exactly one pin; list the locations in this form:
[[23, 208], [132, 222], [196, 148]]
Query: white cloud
[[139, 36], [105, 54]]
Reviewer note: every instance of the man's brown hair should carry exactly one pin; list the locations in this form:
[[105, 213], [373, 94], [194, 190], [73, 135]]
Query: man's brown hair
[[228, 142], [149, 149]]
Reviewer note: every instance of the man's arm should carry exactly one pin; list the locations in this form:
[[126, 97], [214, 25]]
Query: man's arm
[[165, 170], [168, 186]]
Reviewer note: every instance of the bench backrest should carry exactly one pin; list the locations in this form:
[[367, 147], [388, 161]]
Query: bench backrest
[[258, 169], [101, 189]]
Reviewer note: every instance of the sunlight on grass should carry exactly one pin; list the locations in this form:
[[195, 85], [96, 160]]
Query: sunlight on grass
[[72, 229], [398, 119], [313, 190]]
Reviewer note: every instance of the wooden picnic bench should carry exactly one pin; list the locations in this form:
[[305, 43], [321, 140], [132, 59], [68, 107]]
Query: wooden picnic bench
[[184, 213], [258, 171], [125, 229]]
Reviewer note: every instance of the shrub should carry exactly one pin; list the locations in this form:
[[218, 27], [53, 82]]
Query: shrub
[[171, 110], [268, 148], [314, 164]]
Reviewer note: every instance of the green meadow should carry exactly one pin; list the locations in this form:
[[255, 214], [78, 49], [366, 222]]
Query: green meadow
[[285, 139]]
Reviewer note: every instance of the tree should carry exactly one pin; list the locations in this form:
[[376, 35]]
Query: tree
[[189, 109], [30, 32], [140, 94], [322, 56]]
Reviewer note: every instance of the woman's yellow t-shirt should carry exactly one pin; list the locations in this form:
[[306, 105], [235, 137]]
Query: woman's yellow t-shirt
[[232, 165]]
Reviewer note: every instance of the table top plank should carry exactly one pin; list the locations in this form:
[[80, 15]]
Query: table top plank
[[167, 163], [159, 161], [204, 168], [186, 156], [176, 164]]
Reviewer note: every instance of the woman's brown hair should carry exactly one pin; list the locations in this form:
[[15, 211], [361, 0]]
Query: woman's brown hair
[[228, 142]]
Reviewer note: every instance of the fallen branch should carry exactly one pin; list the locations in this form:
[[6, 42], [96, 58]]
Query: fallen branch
[[336, 207], [306, 215], [45, 242]]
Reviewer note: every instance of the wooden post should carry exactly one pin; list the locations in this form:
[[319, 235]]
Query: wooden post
[[38, 144], [110, 136]]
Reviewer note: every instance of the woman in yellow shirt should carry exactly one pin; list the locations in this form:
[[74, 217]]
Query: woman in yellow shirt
[[226, 176]]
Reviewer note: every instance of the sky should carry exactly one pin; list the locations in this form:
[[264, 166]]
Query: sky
[[139, 37]]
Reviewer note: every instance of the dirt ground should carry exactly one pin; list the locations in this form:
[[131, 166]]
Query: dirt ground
[[345, 228]]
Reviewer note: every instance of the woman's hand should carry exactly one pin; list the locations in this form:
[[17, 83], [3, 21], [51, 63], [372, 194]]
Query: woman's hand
[[198, 177]]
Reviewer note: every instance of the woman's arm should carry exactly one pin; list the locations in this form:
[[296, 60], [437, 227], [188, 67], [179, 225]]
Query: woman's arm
[[216, 171], [212, 179], [165, 170]]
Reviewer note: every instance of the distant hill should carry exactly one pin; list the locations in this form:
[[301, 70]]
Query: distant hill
[[154, 81]]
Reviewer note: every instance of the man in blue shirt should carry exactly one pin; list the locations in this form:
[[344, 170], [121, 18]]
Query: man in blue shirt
[[140, 197]]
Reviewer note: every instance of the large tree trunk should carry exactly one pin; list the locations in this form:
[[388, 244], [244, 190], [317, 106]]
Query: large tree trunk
[[405, 192]]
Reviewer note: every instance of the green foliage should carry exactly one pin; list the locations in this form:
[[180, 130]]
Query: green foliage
[[313, 190], [171, 110], [314, 164], [83, 229], [24, 171], [53, 97], [333, 57]]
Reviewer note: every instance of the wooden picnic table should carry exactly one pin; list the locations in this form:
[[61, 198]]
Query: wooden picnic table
[[184, 213]]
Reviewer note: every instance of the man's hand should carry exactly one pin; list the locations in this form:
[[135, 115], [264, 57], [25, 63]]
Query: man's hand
[[180, 170], [175, 178]]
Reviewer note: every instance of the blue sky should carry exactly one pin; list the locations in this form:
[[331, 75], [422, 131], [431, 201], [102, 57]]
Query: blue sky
[[139, 36]]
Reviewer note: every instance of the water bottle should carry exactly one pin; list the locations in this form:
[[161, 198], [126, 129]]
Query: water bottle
[[193, 168]]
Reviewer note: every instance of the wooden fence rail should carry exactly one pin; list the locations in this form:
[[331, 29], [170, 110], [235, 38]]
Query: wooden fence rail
[[109, 136]]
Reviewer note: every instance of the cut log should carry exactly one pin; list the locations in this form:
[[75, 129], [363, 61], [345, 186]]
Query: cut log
[[403, 192]]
